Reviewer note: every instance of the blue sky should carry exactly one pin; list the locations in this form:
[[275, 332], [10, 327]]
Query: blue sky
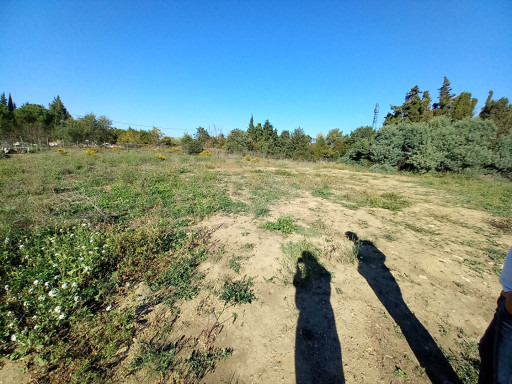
[[317, 65]]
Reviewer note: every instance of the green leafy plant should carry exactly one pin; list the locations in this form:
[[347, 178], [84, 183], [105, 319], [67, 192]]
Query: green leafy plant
[[284, 224], [237, 292]]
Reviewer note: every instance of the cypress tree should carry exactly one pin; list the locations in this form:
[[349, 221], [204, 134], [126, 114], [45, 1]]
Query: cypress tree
[[463, 106], [425, 109], [59, 111], [10, 105], [445, 99]]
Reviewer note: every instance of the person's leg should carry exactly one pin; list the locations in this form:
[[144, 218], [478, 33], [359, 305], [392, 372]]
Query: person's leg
[[503, 345], [486, 350]]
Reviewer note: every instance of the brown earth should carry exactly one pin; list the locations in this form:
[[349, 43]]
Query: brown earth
[[424, 278]]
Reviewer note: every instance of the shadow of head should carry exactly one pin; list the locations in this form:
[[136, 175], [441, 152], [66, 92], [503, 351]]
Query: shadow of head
[[366, 251], [309, 269], [307, 257]]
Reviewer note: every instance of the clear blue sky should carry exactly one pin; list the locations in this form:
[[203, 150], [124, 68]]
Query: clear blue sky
[[318, 65]]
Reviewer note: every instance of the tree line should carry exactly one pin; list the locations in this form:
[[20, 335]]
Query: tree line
[[35, 124], [445, 136]]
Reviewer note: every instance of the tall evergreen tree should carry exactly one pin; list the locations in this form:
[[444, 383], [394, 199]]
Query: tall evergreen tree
[[59, 111], [463, 106], [485, 113], [252, 134], [3, 99], [412, 110], [445, 99], [412, 106], [268, 139], [425, 109], [500, 111], [10, 105]]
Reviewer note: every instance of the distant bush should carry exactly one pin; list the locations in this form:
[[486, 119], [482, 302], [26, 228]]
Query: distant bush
[[159, 156], [205, 153], [91, 151], [62, 151], [246, 158], [190, 145], [255, 159]]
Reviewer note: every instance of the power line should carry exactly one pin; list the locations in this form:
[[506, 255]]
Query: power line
[[141, 125], [149, 126]]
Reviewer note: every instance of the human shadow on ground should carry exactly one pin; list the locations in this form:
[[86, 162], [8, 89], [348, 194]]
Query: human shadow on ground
[[317, 347], [377, 274]]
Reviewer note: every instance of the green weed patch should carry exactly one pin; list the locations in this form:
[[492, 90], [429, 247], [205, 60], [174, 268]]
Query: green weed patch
[[284, 224]]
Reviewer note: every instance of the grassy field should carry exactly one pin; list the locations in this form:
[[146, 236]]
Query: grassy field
[[80, 233]]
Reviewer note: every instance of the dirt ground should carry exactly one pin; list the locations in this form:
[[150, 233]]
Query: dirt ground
[[424, 288], [434, 259]]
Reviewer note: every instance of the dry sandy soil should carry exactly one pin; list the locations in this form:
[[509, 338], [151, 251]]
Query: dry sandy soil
[[423, 289]]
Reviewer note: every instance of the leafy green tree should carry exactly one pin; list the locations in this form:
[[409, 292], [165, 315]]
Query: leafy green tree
[[298, 144], [284, 144], [7, 122], [500, 111], [321, 150], [219, 141], [154, 136], [337, 141], [91, 130], [190, 145], [202, 136], [129, 136], [169, 141], [444, 105], [238, 141], [394, 117], [463, 106], [33, 123], [360, 133]]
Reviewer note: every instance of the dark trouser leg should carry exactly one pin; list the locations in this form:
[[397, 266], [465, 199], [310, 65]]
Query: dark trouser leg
[[486, 349], [503, 344]]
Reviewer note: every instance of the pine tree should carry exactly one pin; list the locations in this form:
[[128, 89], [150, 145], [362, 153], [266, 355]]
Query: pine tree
[[412, 106], [3, 99], [445, 99]]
